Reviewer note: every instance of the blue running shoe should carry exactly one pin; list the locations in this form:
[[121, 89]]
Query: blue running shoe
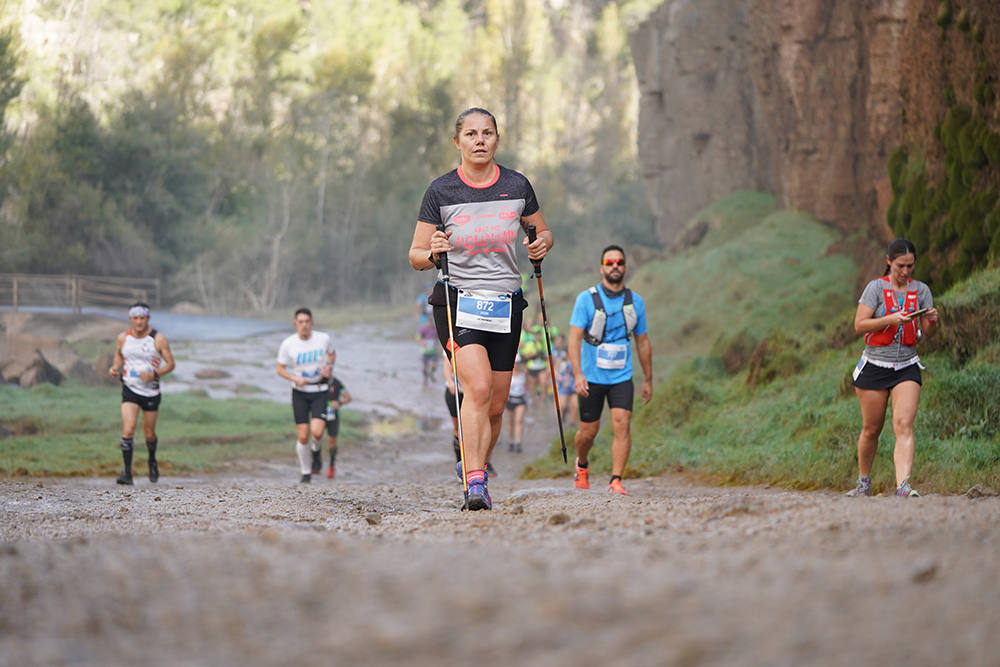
[[479, 496], [458, 471]]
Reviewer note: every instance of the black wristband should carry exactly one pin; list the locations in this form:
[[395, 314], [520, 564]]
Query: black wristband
[[435, 262], [156, 375]]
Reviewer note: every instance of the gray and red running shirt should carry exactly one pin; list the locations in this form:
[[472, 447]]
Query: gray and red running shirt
[[485, 221], [874, 297]]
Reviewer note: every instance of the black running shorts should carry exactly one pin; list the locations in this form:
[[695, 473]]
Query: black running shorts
[[145, 403], [500, 347], [877, 377], [308, 405], [449, 399], [618, 396], [514, 402]]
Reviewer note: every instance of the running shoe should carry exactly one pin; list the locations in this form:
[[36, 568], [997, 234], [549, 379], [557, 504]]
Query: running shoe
[[580, 479], [317, 462], [306, 479], [479, 496], [154, 471], [906, 491], [125, 478], [510, 446], [864, 488], [517, 447], [616, 486], [331, 472], [458, 471], [490, 470]]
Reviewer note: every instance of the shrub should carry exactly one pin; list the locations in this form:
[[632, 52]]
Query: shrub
[[675, 402], [774, 357], [964, 403]]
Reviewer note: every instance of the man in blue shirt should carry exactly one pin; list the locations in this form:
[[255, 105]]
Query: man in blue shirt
[[604, 318]]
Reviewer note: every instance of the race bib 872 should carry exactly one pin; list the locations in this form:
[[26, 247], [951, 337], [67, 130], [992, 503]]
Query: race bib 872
[[483, 310]]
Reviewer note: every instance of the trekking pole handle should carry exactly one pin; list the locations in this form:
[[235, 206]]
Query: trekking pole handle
[[532, 235], [443, 258]]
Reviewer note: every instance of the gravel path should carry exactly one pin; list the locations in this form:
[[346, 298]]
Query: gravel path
[[379, 567]]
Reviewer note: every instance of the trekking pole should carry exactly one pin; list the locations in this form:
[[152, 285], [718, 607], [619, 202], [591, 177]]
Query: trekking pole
[[548, 343], [446, 279]]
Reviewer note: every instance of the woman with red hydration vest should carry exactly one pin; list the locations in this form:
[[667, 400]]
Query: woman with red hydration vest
[[894, 312]]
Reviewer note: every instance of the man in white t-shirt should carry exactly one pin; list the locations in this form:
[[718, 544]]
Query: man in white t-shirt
[[306, 360]]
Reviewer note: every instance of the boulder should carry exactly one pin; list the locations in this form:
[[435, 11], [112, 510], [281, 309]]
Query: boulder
[[212, 374], [101, 366], [187, 308], [981, 491], [69, 364], [29, 371]]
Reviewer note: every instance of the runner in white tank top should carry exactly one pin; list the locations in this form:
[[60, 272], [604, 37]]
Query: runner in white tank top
[[139, 354], [142, 357]]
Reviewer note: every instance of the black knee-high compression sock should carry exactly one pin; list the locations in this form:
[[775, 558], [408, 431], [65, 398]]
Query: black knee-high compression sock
[[128, 444], [154, 468]]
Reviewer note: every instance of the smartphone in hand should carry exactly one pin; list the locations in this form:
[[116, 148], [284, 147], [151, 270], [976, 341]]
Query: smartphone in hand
[[916, 313]]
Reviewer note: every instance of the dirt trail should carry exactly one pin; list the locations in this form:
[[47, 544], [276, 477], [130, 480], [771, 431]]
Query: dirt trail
[[379, 566]]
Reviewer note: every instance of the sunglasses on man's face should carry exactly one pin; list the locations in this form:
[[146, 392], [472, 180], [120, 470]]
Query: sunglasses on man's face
[[614, 262]]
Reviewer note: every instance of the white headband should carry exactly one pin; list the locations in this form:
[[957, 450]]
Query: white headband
[[138, 311]]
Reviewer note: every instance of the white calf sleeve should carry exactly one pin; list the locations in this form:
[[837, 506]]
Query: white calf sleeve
[[305, 457]]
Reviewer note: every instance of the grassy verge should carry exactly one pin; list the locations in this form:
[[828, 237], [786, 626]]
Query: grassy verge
[[755, 348], [73, 430]]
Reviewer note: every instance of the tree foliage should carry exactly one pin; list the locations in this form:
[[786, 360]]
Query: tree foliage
[[256, 152]]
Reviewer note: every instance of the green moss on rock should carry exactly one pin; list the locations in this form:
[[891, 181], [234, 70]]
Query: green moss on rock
[[991, 147], [963, 21], [944, 14], [984, 94], [955, 222]]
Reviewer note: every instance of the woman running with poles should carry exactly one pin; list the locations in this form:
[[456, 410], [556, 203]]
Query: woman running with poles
[[467, 227]]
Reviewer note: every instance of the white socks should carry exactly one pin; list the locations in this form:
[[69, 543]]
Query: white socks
[[305, 457]]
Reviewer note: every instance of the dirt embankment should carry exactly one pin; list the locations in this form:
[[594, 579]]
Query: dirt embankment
[[380, 567]]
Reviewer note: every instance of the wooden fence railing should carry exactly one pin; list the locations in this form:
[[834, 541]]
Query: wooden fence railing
[[76, 292]]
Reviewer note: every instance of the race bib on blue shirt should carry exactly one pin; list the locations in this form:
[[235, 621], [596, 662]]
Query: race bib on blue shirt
[[612, 356]]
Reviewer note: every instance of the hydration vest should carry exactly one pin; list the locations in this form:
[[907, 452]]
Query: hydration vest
[[595, 334], [886, 335]]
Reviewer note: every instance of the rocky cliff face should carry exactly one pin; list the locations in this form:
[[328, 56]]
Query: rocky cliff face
[[802, 98], [697, 114]]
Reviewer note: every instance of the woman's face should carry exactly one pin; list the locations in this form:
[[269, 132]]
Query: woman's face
[[477, 140], [901, 268]]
